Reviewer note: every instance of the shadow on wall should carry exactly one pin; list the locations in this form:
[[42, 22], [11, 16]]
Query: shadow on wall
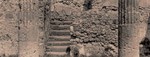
[[145, 48]]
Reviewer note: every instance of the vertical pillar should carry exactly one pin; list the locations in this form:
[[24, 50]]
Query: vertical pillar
[[31, 28], [132, 28]]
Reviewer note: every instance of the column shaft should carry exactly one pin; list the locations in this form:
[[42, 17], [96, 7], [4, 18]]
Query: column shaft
[[131, 28]]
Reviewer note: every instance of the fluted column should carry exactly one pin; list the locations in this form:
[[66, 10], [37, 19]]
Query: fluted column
[[31, 28], [132, 28]]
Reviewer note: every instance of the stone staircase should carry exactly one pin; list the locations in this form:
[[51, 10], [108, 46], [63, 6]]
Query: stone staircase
[[59, 40]]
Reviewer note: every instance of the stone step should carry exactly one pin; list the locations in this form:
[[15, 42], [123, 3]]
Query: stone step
[[60, 27], [60, 32], [56, 54], [59, 43], [57, 48], [59, 38], [61, 22]]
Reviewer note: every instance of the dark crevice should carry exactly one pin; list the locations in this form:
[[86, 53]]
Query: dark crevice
[[87, 4], [146, 47], [68, 50], [20, 7]]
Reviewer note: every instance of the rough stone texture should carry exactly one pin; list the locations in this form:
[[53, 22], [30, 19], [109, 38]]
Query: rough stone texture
[[21, 28], [144, 10], [132, 28], [94, 28], [8, 27], [145, 43], [31, 31]]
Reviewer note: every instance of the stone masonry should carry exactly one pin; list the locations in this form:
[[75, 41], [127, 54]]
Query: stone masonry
[[72, 28]]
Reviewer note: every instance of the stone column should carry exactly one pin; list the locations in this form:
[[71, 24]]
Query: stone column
[[31, 28], [132, 28]]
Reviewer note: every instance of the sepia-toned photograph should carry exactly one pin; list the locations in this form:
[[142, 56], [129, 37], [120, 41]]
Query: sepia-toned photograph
[[74, 28]]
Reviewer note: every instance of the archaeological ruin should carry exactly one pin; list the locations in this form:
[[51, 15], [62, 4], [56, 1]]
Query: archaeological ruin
[[74, 28]]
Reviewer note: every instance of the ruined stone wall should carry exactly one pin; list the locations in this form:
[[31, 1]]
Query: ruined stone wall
[[94, 24]]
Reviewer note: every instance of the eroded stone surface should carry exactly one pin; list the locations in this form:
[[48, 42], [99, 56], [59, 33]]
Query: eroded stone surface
[[94, 25], [132, 28]]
